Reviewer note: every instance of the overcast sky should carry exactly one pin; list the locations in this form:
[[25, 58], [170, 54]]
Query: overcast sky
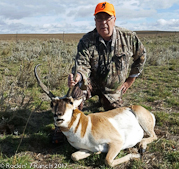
[[76, 16]]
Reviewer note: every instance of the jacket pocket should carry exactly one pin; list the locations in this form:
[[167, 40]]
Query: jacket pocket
[[119, 61]]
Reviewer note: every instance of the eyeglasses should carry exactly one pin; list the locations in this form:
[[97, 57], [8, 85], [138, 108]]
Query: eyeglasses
[[104, 19]]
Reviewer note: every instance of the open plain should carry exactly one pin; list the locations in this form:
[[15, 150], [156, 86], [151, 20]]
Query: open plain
[[26, 121]]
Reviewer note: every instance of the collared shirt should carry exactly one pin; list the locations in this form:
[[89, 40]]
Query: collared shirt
[[107, 64]]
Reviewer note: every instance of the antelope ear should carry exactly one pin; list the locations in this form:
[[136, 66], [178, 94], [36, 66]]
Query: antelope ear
[[76, 103]]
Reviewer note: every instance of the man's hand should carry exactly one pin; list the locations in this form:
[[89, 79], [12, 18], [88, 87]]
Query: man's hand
[[72, 82], [128, 83]]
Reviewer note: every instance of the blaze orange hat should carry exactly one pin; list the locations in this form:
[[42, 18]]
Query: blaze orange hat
[[105, 7]]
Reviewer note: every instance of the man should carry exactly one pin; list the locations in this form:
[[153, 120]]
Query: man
[[103, 61], [104, 57]]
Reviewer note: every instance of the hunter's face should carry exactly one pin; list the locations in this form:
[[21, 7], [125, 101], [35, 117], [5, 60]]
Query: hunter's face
[[105, 24]]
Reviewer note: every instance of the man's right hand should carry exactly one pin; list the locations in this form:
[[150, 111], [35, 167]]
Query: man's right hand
[[72, 82]]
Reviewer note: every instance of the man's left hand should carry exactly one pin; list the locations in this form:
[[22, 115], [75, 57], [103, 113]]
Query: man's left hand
[[129, 81]]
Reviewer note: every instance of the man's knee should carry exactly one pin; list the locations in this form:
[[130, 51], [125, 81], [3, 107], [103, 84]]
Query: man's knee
[[108, 104]]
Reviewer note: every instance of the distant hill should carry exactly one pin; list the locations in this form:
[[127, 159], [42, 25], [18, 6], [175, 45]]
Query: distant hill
[[71, 36]]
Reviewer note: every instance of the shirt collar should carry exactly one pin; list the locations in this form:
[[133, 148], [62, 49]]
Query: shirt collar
[[113, 37], [112, 40]]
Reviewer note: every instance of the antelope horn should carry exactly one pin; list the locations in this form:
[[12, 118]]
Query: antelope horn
[[44, 88], [74, 77]]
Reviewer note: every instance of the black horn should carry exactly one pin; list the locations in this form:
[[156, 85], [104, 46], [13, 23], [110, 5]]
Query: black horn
[[44, 88], [69, 93]]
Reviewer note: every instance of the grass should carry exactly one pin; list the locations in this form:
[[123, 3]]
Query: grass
[[157, 89]]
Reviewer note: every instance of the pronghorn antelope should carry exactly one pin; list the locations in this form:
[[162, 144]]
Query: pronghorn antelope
[[110, 131]]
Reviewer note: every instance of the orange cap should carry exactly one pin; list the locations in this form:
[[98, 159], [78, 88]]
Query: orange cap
[[105, 7]]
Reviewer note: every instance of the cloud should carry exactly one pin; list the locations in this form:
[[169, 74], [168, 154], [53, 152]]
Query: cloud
[[157, 4], [168, 24], [54, 16], [161, 24], [133, 14], [19, 9]]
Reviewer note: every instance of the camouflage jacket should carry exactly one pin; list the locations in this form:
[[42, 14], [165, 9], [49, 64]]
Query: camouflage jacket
[[107, 63]]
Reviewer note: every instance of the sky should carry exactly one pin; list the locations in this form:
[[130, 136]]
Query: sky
[[76, 16]]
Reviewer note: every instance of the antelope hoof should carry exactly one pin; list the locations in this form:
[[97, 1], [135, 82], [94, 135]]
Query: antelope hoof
[[142, 151], [74, 157]]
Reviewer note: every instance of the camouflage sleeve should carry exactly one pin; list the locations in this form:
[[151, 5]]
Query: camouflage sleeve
[[139, 56], [83, 63]]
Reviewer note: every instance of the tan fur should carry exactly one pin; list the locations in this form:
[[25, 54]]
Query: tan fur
[[112, 113], [114, 149], [83, 121], [144, 116], [99, 121], [95, 119], [74, 116], [99, 126]]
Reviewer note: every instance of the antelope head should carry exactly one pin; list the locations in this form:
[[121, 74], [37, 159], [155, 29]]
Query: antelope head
[[62, 107]]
